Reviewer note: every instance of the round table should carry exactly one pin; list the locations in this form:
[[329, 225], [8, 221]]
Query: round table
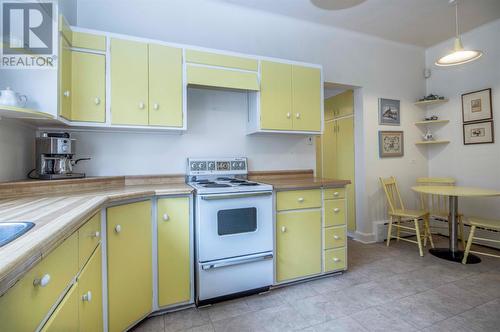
[[452, 253]]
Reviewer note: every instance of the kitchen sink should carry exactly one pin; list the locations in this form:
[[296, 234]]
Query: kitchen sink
[[9, 231]]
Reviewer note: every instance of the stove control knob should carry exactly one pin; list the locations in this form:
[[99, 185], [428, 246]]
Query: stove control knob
[[242, 165], [200, 165], [211, 165], [193, 166]]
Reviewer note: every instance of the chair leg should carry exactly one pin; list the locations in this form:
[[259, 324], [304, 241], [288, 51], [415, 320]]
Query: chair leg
[[428, 227], [419, 241], [462, 233], [399, 229], [469, 244], [389, 231]]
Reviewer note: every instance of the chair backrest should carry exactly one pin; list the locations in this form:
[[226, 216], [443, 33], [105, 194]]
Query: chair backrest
[[434, 203], [391, 190]]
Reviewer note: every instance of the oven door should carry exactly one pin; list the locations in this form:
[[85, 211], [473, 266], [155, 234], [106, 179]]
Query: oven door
[[233, 224]]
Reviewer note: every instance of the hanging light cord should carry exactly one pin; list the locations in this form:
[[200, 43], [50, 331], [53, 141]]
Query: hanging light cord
[[456, 19]]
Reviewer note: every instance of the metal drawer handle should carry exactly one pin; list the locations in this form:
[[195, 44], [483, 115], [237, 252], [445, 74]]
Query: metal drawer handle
[[156, 106], [118, 228], [336, 260], [301, 199], [43, 281], [288, 115], [283, 229], [141, 105], [166, 217], [87, 296], [336, 237], [95, 234], [66, 93], [297, 115], [97, 100], [336, 210], [336, 193]]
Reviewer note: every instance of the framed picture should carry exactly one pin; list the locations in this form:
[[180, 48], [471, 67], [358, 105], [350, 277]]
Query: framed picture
[[391, 144], [389, 112], [479, 133], [476, 106]]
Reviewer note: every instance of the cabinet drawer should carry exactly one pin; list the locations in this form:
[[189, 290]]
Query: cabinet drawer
[[90, 41], [335, 212], [335, 237], [24, 306], [90, 294], [334, 193], [298, 199], [89, 236], [65, 317], [221, 60], [335, 259]]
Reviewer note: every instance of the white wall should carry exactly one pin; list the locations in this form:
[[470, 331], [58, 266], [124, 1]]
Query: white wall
[[16, 150], [471, 165], [381, 68]]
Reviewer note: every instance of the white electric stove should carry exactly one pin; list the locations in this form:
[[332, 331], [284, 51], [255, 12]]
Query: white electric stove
[[233, 230]]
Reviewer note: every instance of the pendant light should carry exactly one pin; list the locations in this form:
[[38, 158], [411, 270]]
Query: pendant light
[[459, 55]]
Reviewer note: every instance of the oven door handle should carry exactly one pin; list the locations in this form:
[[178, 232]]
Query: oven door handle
[[229, 196], [254, 258]]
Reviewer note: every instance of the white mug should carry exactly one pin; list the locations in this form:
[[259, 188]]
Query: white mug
[[8, 97]]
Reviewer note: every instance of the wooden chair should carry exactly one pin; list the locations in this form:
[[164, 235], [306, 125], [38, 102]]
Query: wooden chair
[[437, 205], [399, 214], [482, 223]]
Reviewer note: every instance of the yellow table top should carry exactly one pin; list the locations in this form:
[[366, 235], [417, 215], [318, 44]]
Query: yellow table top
[[455, 191]]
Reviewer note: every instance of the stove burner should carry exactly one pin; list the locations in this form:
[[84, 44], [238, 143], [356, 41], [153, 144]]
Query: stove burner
[[249, 184], [216, 185], [237, 181], [225, 178]]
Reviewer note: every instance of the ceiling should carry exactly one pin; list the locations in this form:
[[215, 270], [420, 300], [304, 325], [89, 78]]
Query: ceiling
[[418, 22]]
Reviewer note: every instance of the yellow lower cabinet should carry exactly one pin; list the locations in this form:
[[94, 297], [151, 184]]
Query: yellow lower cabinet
[[90, 294], [65, 317], [335, 259], [334, 193], [298, 244], [334, 237], [89, 236], [130, 286], [335, 212], [25, 305], [174, 264]]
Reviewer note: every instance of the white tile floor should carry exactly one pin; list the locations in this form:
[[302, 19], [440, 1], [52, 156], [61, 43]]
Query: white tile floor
[[385, 289]]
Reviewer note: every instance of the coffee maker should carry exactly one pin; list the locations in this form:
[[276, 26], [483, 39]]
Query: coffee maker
[[54, 157]]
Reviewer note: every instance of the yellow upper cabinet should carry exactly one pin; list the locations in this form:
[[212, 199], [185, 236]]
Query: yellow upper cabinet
[[64, 79], [129, 82], [306, 98], [276, 96], [89, 41], [222, 78], [174, 251], [165, 86], [88, 87], [130, 286], [221, 60], [290, 98]]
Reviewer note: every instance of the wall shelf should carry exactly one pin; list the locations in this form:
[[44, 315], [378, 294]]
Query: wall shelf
[[424, 123], [432, 142], [424, 103], [23, 113]]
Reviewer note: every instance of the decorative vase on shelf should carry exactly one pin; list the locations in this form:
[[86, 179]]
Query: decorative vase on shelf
[[428, 136]]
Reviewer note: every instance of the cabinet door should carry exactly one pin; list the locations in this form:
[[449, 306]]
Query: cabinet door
[[65, 317], [344, 104], [345, 165], [306, 98], [329, 149], [276, 96], [165, 86], [88, 84], [130, 288], [174, 270], [129, 82], [298, 244], [90, 294], [64, 79]]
